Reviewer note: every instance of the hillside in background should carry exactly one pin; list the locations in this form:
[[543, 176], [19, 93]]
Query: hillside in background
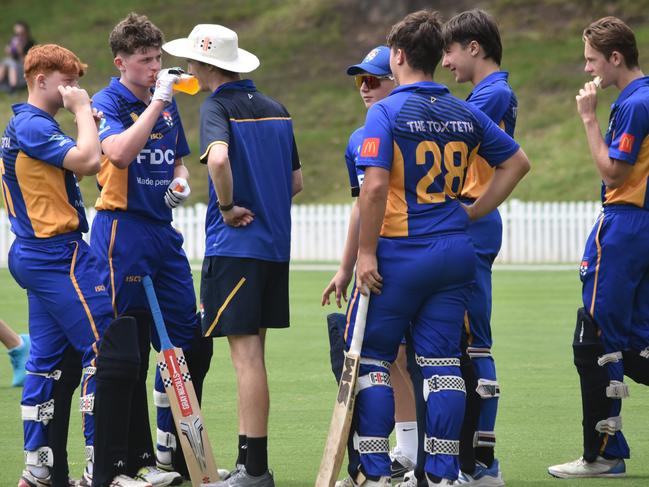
[[305, 46]]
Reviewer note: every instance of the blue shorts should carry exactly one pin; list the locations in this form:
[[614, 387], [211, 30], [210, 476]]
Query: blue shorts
[[129, 247], [425, 283]]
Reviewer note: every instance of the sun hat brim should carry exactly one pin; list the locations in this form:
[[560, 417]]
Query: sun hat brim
[[245, 61]]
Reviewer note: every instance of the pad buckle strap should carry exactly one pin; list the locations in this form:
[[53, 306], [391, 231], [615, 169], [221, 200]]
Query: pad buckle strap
[[377, 363], [617, 390], [90, 453], [55, 374], [609, 357], [366, 445], [484, 438], [373, 379], [438, 383], [43, 457], [645, 353], [41, 413], [609, 426], [437, 362], [437, 446], [160, 399], [168, 440], [475, 352], [87, 403], [89, 370], [488, 389]]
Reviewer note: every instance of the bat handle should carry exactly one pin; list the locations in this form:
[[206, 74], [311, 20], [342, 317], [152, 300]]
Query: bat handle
[[165, 343]]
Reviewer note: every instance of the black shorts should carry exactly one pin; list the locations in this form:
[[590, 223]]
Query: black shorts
[[239, 296]]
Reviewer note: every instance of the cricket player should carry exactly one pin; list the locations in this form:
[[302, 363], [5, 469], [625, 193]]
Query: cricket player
[[248, 145], [18, 351], [473, 52], [612, 333], [69, 307], [142, 178], [374, 81], [415, 255]]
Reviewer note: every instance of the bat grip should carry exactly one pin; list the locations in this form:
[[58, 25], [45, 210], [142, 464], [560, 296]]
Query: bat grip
[[165, 343], [359, 324]]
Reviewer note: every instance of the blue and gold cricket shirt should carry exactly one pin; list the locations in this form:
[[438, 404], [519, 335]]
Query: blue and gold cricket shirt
[[427, 139], [627, 140], [41, 197], [496, 99], [140, 187]]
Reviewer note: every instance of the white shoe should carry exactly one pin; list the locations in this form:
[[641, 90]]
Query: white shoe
[[409, 480], [349, 482], [346, 482], [580, 468], [158, 477], [126, 481], [400, 465]]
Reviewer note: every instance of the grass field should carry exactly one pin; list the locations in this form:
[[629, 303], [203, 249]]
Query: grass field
[[539, 420]]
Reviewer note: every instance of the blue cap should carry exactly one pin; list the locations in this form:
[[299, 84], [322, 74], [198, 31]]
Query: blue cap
[[377, 62]]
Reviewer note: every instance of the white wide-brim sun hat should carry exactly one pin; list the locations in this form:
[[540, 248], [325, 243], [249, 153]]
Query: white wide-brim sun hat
[[216, 45]]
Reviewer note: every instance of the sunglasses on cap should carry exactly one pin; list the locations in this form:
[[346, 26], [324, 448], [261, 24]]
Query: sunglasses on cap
[[372, 82]]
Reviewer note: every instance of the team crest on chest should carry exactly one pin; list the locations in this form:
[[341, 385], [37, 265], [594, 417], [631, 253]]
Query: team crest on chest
[[168, 118]]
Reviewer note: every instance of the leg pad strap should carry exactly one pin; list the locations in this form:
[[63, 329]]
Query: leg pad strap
[[41, 413], [617, 390], [42, 457], [437, 446], [168, 440], [437, 362], [371, 444], [488, 389], [609, 425]]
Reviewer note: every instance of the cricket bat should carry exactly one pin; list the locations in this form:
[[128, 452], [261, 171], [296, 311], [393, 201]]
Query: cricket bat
[[182, 398], [341, 419]]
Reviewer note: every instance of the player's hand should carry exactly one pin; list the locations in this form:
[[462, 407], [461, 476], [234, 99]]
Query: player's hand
[[97, 116], [338, 285], [74, 98], [367, 274], [238, 216], [587, 101], [177, 192], [164, 85]]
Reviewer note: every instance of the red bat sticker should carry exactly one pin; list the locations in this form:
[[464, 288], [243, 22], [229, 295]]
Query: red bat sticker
[[178, 383]]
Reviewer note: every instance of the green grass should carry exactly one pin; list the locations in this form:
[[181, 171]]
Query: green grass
[[305, 46], [538, 423]]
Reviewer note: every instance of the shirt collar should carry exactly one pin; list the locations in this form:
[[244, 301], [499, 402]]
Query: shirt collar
[[491, 79], [429, 86], [121, 89], [28, 107], [238, 85], [631, 88]]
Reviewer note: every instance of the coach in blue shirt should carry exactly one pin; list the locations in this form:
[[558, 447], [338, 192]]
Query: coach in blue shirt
[[248, 145]]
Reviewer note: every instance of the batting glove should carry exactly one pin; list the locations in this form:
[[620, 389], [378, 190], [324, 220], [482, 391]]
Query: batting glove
[[164, 85], [177, 192]]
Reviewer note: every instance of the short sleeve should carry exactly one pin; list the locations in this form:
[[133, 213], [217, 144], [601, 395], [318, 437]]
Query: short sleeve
[[629, 130], [492, 102], [111, 123], [215, 127], [295, 157], [351, 153], [42, 139], [495, 146], [377, 143]]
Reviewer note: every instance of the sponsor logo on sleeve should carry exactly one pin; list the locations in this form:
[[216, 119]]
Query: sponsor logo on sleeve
[[370, 147], [626, 143]]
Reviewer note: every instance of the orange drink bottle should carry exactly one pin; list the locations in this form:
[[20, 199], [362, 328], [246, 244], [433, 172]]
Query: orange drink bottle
[[187, 84]]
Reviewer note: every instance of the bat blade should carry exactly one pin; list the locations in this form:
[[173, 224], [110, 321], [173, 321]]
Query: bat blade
[[341, 420], [187, 415]]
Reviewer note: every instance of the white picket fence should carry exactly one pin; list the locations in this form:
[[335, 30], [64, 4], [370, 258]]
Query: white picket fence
[[533, 232]]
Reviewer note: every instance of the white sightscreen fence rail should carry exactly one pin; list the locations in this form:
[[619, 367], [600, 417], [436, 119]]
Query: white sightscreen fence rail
[[533, 232]]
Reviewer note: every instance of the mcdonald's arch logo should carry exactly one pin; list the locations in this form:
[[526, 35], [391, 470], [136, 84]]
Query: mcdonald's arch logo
[[370, 147]]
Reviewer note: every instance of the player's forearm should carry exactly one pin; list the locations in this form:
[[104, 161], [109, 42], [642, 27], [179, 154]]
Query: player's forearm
[[221, 176], [122, 149], [88, 147], [372, 201], [505, 179], [350, 251], [599, 151]]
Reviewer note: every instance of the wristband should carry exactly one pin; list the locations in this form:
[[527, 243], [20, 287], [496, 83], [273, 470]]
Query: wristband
[[226, 207]]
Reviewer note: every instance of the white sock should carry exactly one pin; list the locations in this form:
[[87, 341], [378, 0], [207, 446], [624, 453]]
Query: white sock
[[407, 439], [90, 467], [163, 457], [22, 342], [39, 472]]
